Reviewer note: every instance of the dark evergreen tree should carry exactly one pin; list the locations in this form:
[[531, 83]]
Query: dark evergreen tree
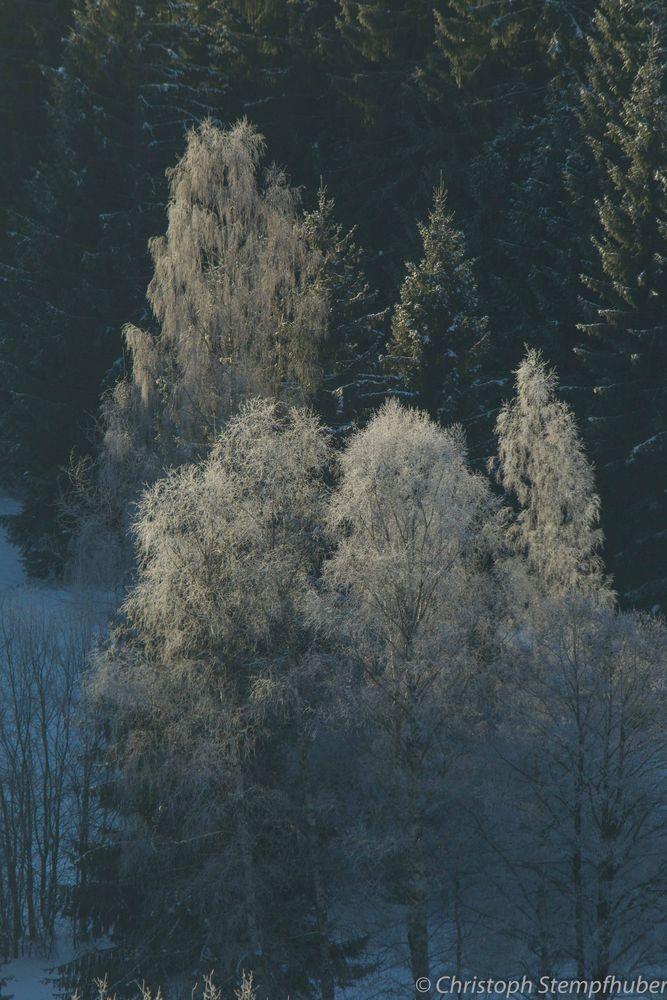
[[545, 237], [565, 169], [378, 31], [616, 47], [438, 333], [130, 82], [276, 57], [617, 38], [349, 376], [516, 67], [509, 48], [604, 83], [30, 38], [626, 328], [400, 122]]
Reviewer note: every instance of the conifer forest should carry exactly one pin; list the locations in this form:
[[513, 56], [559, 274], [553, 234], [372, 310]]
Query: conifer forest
[[333, 499]]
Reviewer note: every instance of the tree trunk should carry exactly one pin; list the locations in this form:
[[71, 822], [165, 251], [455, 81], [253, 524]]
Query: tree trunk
[[458, 929], [577, 864], [327, 979], [248, 874], [417, 916]]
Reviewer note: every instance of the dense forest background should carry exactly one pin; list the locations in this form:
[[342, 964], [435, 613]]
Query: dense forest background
[[545, 122]]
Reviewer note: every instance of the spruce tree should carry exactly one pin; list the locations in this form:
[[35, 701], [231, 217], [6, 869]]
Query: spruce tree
[[346, 375], [129, 83], [516, 68], [277, 57], [379, 32], [511, 50], [615, 43], [617, 36], [438, 333], [30, 38], [399, 107], [544, 236], [624, 310]]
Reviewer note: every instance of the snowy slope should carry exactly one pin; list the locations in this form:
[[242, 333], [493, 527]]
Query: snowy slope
[[11, 570], [26, 977]]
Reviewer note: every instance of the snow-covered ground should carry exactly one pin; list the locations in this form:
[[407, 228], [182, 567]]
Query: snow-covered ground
[[49, 598], [11, 570], [27, 978]]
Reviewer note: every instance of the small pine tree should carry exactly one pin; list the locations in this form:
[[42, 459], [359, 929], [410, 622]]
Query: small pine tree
[[438, 332], [343, 363]]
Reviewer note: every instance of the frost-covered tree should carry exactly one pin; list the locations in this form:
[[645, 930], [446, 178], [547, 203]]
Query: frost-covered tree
[[406, 605], [253, 504], [224, 293], [438, 332], [251, 296], [212, 699], [542, 463], [243, 291], [580, 784]]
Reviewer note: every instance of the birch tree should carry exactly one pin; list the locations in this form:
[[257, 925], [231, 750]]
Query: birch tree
[[251, 296], [582, 684], [209, 691], [585, 835], [407, 603]]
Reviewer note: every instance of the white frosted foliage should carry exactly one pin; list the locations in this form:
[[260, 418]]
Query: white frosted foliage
[[542, 462]]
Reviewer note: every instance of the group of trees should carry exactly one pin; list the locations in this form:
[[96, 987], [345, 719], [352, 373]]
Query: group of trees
[[545, 122], [353, 689], [48, 816], [251, 295]]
